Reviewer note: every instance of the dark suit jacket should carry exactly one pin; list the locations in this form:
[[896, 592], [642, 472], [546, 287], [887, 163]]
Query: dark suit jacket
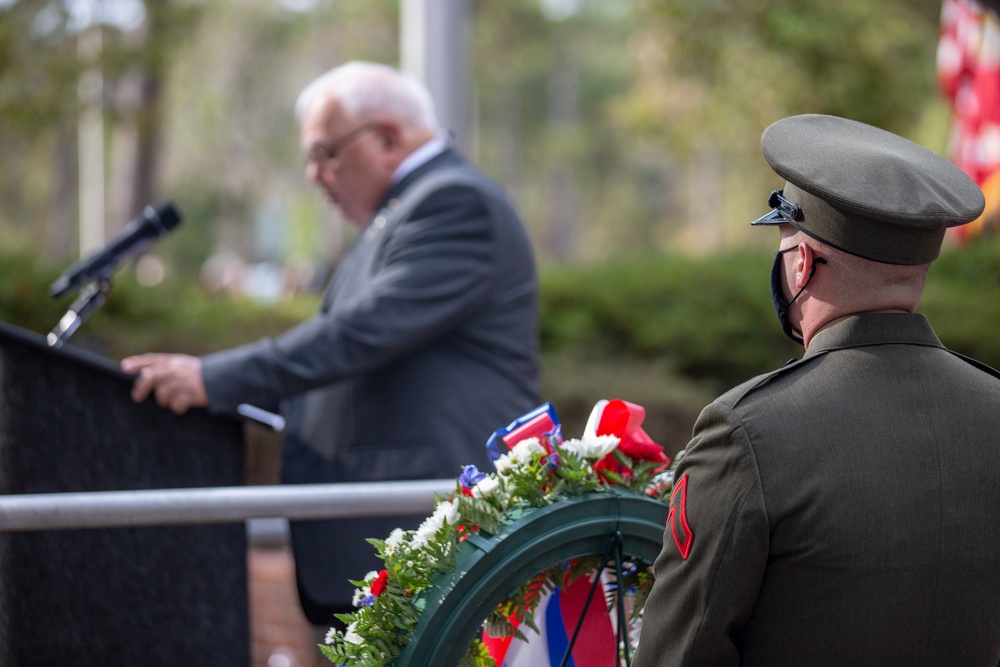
[[426, 342], [844, 510]]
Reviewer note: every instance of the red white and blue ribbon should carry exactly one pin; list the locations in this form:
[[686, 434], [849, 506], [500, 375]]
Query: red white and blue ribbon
[[556, 617], [624, 420], [559, 612]]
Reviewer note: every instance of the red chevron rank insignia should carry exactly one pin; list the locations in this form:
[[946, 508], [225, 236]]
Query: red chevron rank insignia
[[677, 519]]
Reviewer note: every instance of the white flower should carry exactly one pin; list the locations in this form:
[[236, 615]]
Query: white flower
[[359, 595], [527, 448], [592, 448], [331, 636], [486, 487], [370, 577], [427, 530], [394, 541], [505, 463], [352, 635], [520, 454], [447, 512]]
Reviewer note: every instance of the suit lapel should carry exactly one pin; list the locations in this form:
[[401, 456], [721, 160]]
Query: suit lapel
[[356, 266]]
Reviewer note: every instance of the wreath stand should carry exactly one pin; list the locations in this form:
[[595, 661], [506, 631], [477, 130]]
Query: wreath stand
[[613, 523]]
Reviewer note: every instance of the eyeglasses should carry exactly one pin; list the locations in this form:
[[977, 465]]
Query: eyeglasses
[[327, 154], [783, 211]]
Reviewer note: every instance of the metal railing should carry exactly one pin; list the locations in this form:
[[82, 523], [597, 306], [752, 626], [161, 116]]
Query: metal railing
[[107, 509]]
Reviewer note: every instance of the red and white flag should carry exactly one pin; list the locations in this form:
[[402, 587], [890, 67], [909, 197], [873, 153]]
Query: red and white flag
[[968, 73]]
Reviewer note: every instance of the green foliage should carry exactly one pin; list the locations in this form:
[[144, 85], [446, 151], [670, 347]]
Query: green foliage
[[481, 513], [605, 119], [477, 656], [708, 76], [39, 69], [701, 318], [961, 299], [671, 333], [175, 316], [755, 62], [667, 333]]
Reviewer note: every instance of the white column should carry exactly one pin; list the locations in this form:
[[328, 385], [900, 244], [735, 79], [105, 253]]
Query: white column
[[91, 141], [434, 48]]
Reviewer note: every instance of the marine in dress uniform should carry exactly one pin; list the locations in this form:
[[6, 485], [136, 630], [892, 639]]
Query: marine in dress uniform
[[844, 509]]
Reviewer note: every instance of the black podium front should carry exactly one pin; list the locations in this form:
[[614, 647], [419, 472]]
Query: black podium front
[[119, 596]]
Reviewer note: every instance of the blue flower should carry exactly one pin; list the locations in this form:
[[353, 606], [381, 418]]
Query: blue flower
[[368, 600], [552, 461], [471, 476]]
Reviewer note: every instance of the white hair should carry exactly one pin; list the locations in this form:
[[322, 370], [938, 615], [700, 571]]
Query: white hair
[[363, 88]]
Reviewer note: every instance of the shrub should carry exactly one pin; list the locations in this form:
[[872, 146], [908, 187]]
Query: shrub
[[667, 333]]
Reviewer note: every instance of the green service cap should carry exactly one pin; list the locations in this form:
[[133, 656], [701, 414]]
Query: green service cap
[[864, 190]]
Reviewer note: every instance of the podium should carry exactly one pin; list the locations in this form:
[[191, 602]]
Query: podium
[[120, 596]]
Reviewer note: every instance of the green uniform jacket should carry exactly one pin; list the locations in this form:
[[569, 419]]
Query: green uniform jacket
[[844, 510]]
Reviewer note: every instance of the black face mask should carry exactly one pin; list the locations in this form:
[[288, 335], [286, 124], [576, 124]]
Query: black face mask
[[781, 305]]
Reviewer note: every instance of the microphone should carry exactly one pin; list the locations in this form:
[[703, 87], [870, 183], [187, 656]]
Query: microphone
[[133, 239]]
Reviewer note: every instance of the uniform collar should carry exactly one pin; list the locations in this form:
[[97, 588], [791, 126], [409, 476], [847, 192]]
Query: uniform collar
[[864, 329]]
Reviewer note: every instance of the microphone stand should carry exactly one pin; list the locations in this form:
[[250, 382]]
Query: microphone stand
[[90, 299]]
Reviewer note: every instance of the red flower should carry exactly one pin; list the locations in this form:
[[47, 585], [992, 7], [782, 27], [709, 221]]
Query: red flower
[[380, 583]]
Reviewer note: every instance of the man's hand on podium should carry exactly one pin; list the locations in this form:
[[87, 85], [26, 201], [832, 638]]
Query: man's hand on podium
[[174, 379]]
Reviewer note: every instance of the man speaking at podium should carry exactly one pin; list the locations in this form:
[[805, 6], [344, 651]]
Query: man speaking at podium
[[426, 338]]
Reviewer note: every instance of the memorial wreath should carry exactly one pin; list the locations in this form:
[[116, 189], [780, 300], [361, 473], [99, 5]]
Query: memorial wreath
[[535, 468]]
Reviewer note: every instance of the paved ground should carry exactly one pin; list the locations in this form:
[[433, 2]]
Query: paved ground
[[280, 636]]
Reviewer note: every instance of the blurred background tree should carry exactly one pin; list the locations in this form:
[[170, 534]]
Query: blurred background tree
[[621, 127]]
